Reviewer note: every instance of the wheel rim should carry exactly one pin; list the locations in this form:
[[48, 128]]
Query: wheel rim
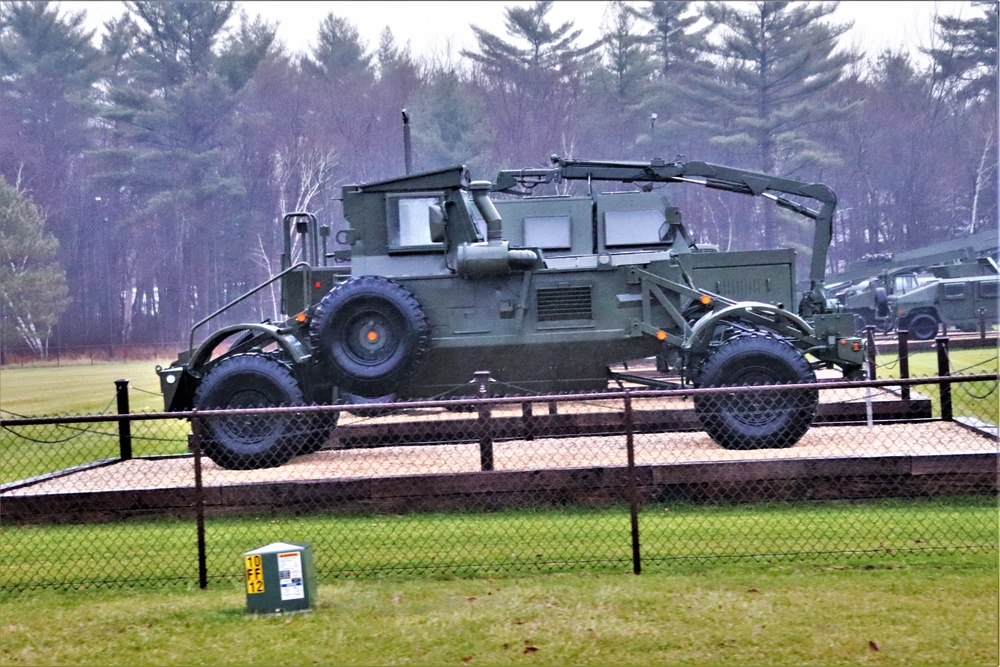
[[924, 328], [757, 408], [249, 430], [371, 338]]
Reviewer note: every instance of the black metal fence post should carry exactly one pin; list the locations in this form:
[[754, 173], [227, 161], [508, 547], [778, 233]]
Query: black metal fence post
[[870, 339], [199, 504], [944, 371], [485, 423], [633, 492], [527, 418], [124, 425], [904, 362]]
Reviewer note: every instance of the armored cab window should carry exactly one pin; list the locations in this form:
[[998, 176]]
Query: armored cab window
[[954, 291], [548, 232], [905, 283], [636, 228], [409, 222], [988, 289]]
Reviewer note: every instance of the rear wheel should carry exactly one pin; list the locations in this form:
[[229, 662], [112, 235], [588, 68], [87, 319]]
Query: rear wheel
[[756, 420], [246, 442]]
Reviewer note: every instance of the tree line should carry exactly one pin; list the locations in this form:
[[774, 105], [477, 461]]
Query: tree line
[[142, 178]]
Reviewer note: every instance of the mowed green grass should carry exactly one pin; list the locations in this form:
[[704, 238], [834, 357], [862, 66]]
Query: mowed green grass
[[936, 608], [979, 400], [938, 613], [82, 389], [72, 390]]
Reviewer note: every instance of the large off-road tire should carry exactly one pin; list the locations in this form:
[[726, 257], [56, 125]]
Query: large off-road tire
[[922, 326], [756, 420], [247, 442], [371, 334]]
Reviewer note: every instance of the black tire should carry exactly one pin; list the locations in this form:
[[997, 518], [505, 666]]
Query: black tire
[[771, 419], [372, 335], [922, 326], [248, 442]]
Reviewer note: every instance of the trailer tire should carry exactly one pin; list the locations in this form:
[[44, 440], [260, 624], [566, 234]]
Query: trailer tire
[[371, 334], [768, 419]]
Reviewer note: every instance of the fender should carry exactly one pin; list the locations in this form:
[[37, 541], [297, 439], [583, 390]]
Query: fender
[[287, 342], [753, 312], [180, 380]]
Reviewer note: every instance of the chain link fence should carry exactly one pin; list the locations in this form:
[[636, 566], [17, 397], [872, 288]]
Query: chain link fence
[[630, 479]]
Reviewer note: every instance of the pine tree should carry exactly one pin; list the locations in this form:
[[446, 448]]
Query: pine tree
[[677, 44], [965, 73], [47, 68], [775, 60], [679, 50], [48, 71], [531, 84], [966, 62], [172, 109]]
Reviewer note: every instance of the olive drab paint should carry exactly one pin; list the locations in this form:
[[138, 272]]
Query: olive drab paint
[[438, 277]]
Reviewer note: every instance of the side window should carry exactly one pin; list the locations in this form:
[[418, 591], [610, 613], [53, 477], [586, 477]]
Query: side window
[[988, 289], [548, 232], [954, 291], [409, 222], [636, 228]]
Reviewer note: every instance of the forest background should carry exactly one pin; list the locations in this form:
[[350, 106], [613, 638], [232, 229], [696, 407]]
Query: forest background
[[142, 177]]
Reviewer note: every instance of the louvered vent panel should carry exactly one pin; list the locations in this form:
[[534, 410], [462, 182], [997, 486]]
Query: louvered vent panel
[[564, 303]]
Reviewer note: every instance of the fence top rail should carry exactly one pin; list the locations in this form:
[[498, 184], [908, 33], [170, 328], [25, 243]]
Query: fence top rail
[[618, 394]]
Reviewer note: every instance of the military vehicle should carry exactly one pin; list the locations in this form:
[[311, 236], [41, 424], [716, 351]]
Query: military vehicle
[[897, 291], [869, 299], [956, 297], [434, 293]]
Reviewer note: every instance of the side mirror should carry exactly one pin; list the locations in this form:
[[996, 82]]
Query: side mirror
[[437, 222]]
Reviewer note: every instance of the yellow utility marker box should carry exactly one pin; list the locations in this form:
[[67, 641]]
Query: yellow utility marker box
[[280, 578]]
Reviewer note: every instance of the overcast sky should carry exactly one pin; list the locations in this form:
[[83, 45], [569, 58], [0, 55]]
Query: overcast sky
[[437, 27]]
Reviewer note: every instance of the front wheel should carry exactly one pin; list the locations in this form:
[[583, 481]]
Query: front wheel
[[923, 326], [756, 420], [251, 441]]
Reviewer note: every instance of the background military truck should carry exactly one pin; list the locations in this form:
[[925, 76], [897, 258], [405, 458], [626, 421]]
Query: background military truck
[[957, 297], [428, 299], [876, 288]]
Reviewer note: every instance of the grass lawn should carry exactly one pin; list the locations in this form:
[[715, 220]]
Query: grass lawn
[[78, 389], [82, 389], [979, 400], [938, 607], [941, 612]]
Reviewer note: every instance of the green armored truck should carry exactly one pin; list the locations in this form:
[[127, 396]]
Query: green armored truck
[[901, 291], [961, 296], [436, 290]]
